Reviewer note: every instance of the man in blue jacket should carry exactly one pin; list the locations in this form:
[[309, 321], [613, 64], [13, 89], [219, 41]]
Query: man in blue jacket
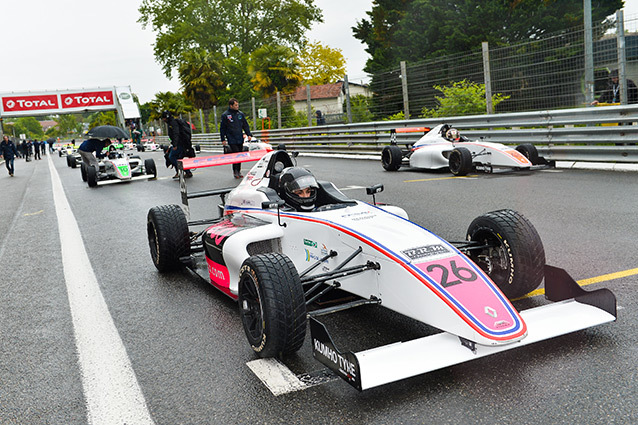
[[89, 146], [230, 130], [8, 151]]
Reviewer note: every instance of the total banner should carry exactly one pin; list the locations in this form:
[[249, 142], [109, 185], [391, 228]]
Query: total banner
[[45, 103]]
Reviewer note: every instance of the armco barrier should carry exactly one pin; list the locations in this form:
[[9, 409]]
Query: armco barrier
[[564, 135]]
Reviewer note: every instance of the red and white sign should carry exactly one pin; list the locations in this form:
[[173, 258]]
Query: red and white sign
[[87, 99], [30, 103]]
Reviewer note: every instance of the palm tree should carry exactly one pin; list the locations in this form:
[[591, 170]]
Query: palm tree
[[201, 75], [274, 68]]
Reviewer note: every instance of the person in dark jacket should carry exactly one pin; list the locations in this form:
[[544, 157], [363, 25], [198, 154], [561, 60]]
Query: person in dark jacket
[[36, 149], [89, 146], [233, 121], [8, 151], [178, 148], [612, 93]]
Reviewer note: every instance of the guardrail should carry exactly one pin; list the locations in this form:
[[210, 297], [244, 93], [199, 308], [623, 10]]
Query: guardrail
[[596, 134]]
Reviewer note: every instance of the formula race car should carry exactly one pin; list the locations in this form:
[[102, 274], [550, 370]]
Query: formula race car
[[277, 251], [444, 147], [119, 166]]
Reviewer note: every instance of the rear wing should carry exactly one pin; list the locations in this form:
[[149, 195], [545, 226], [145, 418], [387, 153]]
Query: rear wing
[[394, 131], [211, 161]]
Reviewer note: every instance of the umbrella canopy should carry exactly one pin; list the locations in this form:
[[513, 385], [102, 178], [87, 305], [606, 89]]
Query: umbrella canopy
[[51, 140], [107, 131]]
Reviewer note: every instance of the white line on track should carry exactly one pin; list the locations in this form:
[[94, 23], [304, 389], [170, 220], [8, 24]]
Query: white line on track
[[276, 376], [111, 390]]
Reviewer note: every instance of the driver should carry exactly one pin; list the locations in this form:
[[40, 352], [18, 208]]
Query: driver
[[298, 188]]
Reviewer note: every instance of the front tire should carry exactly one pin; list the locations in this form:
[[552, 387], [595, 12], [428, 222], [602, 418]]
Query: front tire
[[91, 176], [83, 171], [168, 237], [149, 167], [272, 305], [529, 151], [513, 255], [460, 161], [391, 158]]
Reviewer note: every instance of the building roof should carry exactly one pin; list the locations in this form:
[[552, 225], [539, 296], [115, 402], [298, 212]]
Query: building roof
[[47, 124], [323, 91]]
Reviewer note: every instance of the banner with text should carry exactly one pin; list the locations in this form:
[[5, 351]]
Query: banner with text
[[59, 102]]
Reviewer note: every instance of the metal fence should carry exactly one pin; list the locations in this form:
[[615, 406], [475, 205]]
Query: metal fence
[[544, 74], [601, 134]]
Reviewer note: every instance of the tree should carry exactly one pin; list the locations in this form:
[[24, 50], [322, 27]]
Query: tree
[[274, 68], [321, 64], [201, 75], [227, 26], [175, 103], [461, 98], [102, 118], [417, 30], [360, 109], [67, 125], [28, 126]]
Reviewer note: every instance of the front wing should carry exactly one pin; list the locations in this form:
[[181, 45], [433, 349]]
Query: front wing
[[574, 310]]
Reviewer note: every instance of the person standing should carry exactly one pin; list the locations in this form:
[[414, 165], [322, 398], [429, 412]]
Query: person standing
[[8, 151], [233, 121], [612, 92], [36, 149], [180, 141]]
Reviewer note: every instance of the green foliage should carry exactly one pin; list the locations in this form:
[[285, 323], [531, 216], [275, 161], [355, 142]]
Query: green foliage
[[176, 103], [396, 117], [67, 126], [359, 108], [417, 30], [274, 68], [461, 98], [102, 118], [28, 126], [321, 64]]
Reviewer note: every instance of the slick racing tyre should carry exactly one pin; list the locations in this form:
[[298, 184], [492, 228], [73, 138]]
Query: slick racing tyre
[[272, 305], [91, 176], [74, 162], [391, 158], [149, 166], [168, 237], [460, 161], [83, 171], [68, 160], [512, 253], [529, 151]]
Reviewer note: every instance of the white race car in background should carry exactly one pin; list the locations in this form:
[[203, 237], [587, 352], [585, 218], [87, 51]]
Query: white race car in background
[[444, 147], [119, 166], [277, 261]]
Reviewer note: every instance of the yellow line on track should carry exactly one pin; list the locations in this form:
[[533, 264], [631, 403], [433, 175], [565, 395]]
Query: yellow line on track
[[585, 282], [438, 178]]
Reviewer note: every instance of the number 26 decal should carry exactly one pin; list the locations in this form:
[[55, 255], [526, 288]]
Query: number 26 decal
[[463, 274]]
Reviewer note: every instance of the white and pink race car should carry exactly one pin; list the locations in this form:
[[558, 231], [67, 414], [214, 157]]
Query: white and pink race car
[[277, 261], [444, 147]]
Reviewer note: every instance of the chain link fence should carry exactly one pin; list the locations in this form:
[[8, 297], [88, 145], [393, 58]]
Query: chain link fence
[[544, 74]]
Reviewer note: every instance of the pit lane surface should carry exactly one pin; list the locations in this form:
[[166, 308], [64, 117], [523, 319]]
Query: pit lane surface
[[186, 345]]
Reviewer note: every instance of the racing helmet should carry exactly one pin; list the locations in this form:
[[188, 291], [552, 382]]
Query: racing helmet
[[294, 179], [452, 134]]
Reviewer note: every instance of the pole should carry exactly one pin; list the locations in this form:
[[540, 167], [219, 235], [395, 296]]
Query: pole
[[215, 115], [487, 76], [308, 105], [254, 115], [201, 120], [622, 58], [346, 86], [278, 110], [589, 54], [404, 88]]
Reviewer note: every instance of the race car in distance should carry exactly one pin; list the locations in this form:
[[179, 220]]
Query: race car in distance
[[277, 253], [119, 166], [444, 147]]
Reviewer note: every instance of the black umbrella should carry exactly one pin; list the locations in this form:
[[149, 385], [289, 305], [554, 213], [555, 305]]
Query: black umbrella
[[52, 140], [107, 131]]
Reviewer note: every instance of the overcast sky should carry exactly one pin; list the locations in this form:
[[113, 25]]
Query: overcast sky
[[71, 44]]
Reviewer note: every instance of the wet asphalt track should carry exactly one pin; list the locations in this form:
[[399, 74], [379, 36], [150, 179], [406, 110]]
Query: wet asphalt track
[[185, 341]]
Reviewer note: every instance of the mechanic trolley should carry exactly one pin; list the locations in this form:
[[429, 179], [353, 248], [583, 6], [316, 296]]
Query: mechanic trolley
[[277, 261]]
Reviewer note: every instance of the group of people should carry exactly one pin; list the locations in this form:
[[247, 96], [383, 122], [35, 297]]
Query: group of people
[[9, 151]]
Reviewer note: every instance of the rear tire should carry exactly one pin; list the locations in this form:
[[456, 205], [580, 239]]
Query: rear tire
[[83, 171], [529, 151], [460, 161], [391, 158], [68, 160], [91, 176], [514, 258], [168, 237], [272, 305], [149, 166]]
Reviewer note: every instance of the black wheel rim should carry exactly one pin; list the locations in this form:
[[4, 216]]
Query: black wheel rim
[[251, 311], [493, 259]]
